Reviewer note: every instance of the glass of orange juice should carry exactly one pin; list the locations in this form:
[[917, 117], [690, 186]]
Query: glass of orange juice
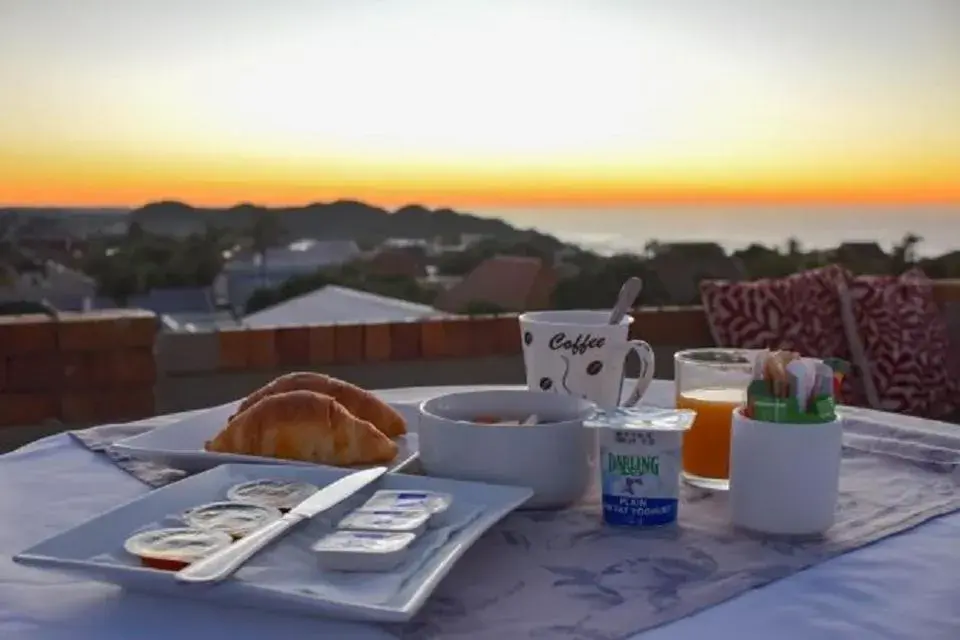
[[713, 382]]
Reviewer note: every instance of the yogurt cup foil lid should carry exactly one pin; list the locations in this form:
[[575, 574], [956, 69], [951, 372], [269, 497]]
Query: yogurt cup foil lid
[[642, 418]]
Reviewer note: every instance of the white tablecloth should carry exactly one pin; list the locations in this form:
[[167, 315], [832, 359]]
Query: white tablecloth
[[905, 587]]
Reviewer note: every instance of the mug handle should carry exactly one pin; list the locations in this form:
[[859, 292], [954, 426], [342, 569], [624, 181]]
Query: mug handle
[[647, 361]]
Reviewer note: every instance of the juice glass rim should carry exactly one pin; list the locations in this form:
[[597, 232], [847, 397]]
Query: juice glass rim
[[735, 359]]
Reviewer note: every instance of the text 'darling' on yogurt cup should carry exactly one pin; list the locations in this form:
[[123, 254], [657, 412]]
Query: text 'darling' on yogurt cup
[[640, 463]]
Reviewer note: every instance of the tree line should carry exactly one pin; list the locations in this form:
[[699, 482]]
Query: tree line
[[141, 261]]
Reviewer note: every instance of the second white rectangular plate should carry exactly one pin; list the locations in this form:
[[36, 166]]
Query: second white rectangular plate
[[179, 445]]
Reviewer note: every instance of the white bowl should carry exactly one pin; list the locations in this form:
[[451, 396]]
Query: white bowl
[[552, 458]]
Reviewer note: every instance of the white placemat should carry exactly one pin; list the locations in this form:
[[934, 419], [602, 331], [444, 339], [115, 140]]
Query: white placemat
[[572, 577], [565, 575]]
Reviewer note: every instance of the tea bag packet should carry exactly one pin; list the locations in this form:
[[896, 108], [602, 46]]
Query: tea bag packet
[[754, 389], [764, 405], [840, 369], [803, 380], [775, 371], [759, 362], [759, 384], [825, 381], [794, 389]]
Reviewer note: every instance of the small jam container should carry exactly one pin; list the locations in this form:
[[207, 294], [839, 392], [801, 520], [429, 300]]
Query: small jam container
[[436, 504], [640, 464], [174, 549], [234, 518], [396, 520], [279, 494], [363, 551]]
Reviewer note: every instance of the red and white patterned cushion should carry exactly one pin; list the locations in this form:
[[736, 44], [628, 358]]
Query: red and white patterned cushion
[[905, 341], [800, 312], [951, 316]]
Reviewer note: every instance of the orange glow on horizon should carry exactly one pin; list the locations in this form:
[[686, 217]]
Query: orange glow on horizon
[[226, 194], [131, 182]]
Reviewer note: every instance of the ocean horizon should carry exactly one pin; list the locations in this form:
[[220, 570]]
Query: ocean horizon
[[608, 231]]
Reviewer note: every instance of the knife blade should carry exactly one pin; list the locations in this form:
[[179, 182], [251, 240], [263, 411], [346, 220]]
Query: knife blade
[[226, 562]]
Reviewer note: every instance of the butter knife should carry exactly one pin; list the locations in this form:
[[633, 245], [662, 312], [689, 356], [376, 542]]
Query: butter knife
[[225, 563]]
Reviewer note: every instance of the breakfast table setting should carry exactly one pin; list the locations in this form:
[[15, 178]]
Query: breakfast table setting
[[741, 499]]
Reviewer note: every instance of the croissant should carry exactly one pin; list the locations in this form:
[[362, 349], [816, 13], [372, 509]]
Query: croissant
[[306, 426], [357, 401]]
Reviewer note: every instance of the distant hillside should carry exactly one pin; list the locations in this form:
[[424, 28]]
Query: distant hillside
[[343, 219], [336, 220], [63, 222]]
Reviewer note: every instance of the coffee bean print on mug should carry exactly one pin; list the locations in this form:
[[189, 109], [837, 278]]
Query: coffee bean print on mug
[[527, 338], [546, 384], [594, 368]]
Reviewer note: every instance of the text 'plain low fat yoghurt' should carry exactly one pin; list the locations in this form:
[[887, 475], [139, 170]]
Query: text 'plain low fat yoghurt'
[[639, 463]]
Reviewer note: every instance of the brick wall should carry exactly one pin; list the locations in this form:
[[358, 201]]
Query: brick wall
[[270, 348], [113, 366], [77, 368], [203, 369]]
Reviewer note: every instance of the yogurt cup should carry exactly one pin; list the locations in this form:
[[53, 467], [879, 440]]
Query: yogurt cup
[[640, 464]]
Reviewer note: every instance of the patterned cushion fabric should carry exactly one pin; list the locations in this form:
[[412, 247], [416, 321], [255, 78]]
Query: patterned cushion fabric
[[800, 312], [905, 341], [951, 316]]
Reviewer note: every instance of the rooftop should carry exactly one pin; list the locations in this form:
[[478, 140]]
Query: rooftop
[[333, 304], [510, 283], [301, 254]]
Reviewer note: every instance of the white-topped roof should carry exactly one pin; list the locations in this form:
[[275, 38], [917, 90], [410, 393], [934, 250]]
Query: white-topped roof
[[333, 304], [302, 254]]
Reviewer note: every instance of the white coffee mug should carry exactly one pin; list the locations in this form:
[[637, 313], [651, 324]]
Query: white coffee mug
[[578, 353]]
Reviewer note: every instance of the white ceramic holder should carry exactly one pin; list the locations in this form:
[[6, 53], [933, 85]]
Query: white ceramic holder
[[784, 478]]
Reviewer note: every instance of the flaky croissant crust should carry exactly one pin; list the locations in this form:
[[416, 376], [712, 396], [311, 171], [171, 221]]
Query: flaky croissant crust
[[306, 426], [357, 401]]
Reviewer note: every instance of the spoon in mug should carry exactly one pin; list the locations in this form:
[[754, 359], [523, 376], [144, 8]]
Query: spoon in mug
[[628, 295], [625, 299]]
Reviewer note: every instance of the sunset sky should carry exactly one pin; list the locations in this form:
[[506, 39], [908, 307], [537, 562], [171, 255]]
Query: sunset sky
[[478, 102]]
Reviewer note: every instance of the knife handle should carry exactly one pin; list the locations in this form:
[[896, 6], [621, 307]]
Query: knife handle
[[225, 563]]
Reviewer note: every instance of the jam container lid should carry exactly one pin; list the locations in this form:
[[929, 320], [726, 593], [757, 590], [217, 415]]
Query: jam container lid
[[400, 520], [642, 418], [279, 494], [178, 544], [363, 550], [235, 518]]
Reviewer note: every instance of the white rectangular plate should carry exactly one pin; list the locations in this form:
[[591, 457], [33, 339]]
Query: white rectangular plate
[[81, 550], [179, 445]]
